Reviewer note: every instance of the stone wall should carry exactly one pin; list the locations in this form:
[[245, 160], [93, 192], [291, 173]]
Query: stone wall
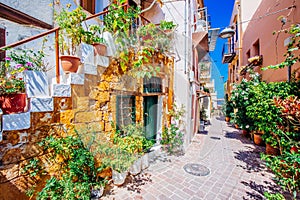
[[91, 108]]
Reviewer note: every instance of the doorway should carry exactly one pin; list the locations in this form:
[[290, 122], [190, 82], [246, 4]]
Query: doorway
[[150, 116]]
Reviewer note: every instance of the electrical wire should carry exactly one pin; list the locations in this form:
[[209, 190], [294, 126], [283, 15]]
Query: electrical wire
[[262, 16]]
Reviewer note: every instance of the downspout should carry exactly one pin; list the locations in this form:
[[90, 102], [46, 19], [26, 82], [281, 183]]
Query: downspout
[[185, 32]]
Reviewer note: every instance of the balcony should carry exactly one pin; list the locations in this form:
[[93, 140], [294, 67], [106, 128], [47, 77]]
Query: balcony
[[228, 53]]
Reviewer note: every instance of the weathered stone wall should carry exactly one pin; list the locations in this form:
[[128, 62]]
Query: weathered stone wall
[[91, 108]]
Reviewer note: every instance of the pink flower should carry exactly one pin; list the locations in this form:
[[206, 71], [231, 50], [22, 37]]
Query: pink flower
[[8, 58], [29, 64]]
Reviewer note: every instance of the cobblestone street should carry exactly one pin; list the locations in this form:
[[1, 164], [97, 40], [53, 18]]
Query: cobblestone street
[[233, 161]]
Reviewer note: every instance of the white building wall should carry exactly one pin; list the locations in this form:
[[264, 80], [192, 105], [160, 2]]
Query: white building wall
[[39, 9], [181, 13]]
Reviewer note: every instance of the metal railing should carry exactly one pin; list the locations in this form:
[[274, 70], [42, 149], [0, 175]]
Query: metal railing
[[201, 17], [56, 31], [228, 48]]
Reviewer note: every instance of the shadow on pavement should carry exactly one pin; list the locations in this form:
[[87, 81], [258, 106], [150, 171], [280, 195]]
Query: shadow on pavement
[[203, 132], [260, 189], [251, 158], [220, 118], [135, 182], [132, 183]]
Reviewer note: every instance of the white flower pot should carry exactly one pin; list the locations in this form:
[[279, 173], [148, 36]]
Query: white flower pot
[[136, 167], [145, 161], [119, 178]]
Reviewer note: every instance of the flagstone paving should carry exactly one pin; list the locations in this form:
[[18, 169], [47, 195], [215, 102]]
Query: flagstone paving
[[233, 161]]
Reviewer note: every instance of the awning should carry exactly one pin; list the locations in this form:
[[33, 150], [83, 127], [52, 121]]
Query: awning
[[212, 38], [200, 40]]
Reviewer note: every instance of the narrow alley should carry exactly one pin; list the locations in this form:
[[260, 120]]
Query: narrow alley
[[229, 168]]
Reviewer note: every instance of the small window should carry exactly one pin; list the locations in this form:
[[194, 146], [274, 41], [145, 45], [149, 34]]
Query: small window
[[125, 110], [248, 55], [256, 48], [152, 85], [236, 31]]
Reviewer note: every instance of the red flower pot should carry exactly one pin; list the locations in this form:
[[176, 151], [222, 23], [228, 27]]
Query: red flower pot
[[13, 103]]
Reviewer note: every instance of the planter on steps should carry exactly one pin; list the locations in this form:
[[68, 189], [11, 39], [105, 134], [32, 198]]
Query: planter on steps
[[70, 63]]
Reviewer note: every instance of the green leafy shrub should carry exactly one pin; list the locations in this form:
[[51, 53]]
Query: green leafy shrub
[[72, 173], [172, 135]]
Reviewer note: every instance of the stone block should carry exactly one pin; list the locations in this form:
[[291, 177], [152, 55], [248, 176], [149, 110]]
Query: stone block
[[36, 84], [108, 127], [66, 116], [90, 69], [42, 104], [83, 103], [96, 126], [104, 85], [102, 61], [18, 121], [61, 90], [75, 79], [12, 155], [103, 97], [93, 116]]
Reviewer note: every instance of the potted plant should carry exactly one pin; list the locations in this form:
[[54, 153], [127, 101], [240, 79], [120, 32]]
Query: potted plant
[[32, 65], [94, 36], [13, 98], [167, 26], [119, 161], [71, 34]]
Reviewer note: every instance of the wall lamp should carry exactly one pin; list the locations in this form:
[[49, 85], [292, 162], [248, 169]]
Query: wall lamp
[[228, 32]]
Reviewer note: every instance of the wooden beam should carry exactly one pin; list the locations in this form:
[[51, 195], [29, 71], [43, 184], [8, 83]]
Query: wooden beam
[[19, 17]]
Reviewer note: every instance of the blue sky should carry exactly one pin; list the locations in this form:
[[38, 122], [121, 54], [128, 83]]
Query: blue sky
[[220, 13]]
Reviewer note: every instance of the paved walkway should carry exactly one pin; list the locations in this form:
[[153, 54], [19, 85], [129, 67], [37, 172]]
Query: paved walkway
[[236, 171]]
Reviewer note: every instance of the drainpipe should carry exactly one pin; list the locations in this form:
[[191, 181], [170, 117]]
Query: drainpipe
[[185, 37]]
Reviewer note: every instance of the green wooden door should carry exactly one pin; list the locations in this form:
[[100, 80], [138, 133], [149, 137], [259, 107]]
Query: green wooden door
[[150, 116]]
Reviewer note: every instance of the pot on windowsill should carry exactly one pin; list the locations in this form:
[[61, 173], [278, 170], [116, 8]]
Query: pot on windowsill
[[70, 63], [13, 103]]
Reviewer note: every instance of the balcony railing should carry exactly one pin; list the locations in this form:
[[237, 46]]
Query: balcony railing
[[228, 53], [56, 45], [202, 23]]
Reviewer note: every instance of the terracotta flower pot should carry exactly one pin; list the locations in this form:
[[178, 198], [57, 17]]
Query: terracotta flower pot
[[100, 49], [227, 119], [70, 63], [245, 133], [13, 103], [257, 139], [270, 150]]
